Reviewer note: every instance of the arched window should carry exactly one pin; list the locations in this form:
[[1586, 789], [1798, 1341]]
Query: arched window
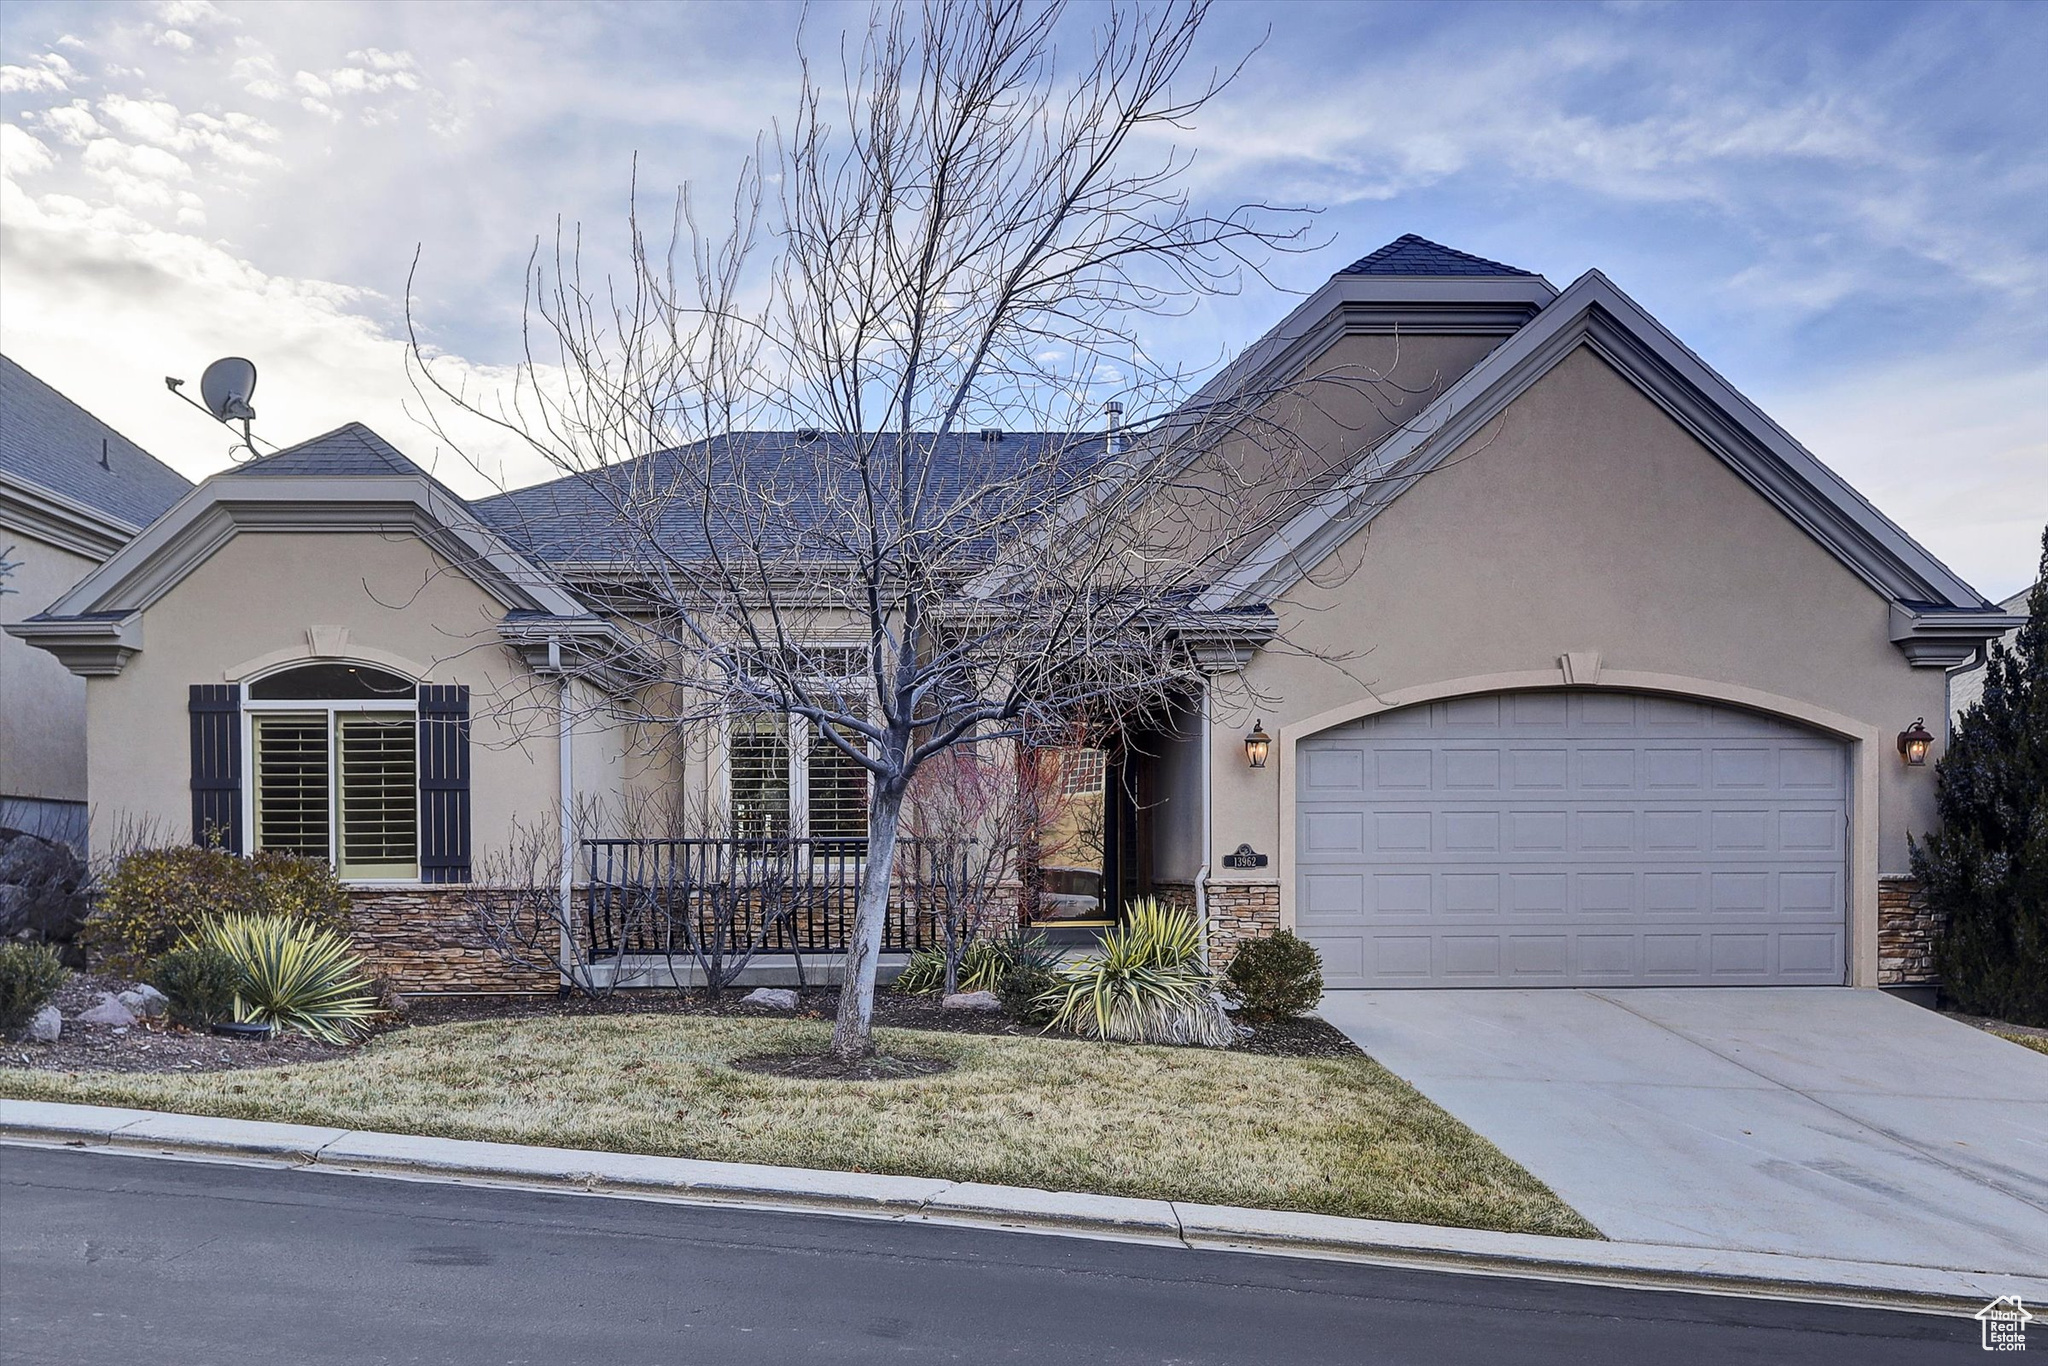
[[334, 768]]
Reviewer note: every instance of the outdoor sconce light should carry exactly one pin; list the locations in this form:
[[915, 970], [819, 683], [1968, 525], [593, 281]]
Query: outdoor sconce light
[[1256, 744], [1913, 742]]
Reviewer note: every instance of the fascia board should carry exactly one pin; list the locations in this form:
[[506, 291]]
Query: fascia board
[[177, 543], [61, 521], [1594, 312]]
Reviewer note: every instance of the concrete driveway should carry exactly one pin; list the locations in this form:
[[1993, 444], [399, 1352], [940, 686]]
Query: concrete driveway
[[1819, 1121]]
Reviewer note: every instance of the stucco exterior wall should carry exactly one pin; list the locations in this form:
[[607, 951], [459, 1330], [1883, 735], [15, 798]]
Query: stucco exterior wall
[[42, 704], [249, 607], [1587, 520]]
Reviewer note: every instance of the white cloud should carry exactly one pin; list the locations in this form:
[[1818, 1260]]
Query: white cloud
[[72, 122], [47, 74], [176, 39], [21, 154]]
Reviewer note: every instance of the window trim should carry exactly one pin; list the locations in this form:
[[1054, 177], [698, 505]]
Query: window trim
[[252, 708]]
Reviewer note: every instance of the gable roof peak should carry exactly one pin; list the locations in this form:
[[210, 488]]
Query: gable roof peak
[[1409, 254], [351, 448]]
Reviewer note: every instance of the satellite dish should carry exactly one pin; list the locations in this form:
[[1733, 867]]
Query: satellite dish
[[227, 386]]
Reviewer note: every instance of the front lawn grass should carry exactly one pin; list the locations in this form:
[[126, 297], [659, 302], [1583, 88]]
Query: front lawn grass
[[1333, 1136]]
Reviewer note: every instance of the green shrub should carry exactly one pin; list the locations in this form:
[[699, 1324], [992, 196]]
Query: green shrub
[[1148, 984], [1985, 871], [988, 961], [1028, 994], [199, 980], [29, 976], [294, 975], [155, 897], [1275, 977]]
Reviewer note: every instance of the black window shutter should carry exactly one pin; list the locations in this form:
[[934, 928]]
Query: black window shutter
[[444, 783], [216, 710]]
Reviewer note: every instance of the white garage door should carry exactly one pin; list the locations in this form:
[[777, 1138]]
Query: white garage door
[[1572, 839]]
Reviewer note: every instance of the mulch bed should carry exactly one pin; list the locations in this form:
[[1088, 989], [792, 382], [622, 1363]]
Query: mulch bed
[[148, 1045], [823, 1067], [1305, 1037], [157, 1046]]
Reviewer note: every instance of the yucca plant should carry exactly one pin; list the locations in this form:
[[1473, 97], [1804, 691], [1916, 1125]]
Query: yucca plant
[[295, 975], [1148, 985], [985, 965]]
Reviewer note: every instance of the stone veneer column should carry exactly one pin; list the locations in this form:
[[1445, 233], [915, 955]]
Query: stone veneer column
[[1239, 911], [1906, 930]]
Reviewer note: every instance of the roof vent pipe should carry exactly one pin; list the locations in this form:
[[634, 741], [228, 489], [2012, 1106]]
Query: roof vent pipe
[[1115, 443]]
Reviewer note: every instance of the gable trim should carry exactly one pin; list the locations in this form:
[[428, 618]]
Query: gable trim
[[1594, 313], [161, 557]]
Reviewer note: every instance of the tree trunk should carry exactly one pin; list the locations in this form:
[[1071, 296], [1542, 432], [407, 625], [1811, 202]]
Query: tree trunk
[[853, 1033]]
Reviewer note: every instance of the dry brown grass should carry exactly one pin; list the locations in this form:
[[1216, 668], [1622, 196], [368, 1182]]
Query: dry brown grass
[[2033, 1041], [1338, 1136]]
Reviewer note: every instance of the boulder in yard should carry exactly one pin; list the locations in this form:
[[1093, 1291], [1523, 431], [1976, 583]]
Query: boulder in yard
[[145, 1001], [109, 1011], [41, 884], [971, 1000], [775, 998], [46, 1026]]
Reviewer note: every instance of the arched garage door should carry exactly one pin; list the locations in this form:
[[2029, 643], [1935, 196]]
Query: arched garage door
[[1572, 839]]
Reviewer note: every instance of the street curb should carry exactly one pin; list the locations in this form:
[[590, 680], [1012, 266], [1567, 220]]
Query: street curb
[[1638, 1266]]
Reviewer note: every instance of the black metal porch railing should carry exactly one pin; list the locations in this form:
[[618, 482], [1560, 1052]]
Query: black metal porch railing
[[722, 899]]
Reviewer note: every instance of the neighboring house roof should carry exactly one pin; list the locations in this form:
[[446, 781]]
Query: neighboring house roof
[[1966, 685], [1412, 255], [349, 449], [578, 518], [83, 470]]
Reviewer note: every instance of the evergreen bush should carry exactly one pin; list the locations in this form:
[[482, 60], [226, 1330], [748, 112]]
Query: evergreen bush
[[1985, 870], [1275, 977], [29, 976]]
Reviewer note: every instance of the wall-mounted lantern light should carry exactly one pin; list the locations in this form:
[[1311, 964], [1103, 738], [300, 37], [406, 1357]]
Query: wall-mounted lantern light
[[1256, 744], [1913, 742]]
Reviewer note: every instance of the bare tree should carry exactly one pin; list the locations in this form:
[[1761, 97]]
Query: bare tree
[[883, 504]]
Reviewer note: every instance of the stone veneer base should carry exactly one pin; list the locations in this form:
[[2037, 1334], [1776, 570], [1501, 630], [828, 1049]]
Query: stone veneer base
[[426, 941], [1906, 931]]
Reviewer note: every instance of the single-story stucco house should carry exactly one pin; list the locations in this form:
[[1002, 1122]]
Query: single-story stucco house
[[72, 492], [1623, 687]]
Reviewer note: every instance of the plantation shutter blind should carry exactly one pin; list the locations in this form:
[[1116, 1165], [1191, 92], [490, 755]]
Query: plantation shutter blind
[[836, 792], [378, 834], [759, 775], [216, 713], [291, 784], [444, 783]]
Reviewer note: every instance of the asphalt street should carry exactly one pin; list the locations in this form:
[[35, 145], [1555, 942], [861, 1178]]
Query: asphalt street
[[119, 1258]]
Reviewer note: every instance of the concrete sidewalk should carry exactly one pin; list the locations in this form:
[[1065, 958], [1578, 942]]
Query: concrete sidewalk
[[1641, 1266], [1809, 1122]]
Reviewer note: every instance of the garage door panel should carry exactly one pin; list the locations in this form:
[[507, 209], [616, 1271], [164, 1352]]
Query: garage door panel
[[1573, 837]]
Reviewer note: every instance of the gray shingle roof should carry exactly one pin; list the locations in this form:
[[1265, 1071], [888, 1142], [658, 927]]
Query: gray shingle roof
[[579, 517], [51, 442], [1412, 255], [350, 449]]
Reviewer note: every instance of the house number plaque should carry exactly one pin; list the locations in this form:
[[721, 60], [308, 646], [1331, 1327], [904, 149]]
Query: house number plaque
[[1244, 856]]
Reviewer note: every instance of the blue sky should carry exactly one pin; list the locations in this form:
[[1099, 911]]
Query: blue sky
[[1844, 208]]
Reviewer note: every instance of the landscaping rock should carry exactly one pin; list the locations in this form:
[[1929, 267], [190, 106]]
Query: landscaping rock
[[145, 1001], [47, 1026], [109, 1011], [40, 882], [971, 1000], [775, 998]]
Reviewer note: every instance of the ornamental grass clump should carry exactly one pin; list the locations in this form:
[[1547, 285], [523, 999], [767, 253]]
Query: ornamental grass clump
[[29, 976], [1148, 985], [294, 975]]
